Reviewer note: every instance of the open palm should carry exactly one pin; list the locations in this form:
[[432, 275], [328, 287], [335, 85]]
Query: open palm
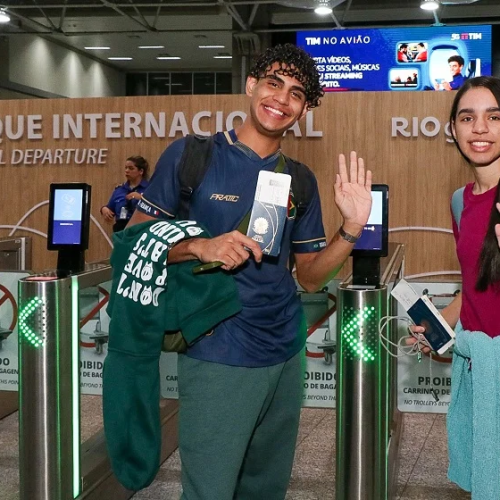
[[353, 190]]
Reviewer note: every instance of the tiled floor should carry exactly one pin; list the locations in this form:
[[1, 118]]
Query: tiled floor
[[422, 475]]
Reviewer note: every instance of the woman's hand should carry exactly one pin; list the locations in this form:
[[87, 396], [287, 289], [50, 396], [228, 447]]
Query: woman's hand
[[417, 336], [108, 214], [134, 195]]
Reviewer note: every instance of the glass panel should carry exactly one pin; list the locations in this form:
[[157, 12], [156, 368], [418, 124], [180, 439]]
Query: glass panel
[[182, 83], [136, 84], [159, 84], [9, 323], [223, 83], [94, 333], [204, 83]]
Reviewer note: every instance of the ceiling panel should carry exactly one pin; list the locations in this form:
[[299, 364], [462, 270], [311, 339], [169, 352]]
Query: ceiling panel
[[182, 25]]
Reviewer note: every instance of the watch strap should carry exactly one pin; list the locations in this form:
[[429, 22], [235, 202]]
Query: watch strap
[[348, 237]]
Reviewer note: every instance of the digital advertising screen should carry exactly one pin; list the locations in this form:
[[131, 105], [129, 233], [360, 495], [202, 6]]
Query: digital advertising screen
[[402, 59]]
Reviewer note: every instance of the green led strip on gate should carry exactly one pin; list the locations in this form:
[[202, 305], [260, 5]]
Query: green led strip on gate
[[350, 334], [27, 332], [75, 354]]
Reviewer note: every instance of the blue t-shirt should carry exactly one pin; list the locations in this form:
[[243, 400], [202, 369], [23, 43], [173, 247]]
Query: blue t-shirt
[[117, 200], [266, 331], [457, 82]]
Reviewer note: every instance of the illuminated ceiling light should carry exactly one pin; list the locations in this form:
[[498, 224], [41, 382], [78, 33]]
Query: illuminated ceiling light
[[151, 47], [223, 57], [429, 5], [168, 58], [97, 48], [120, 58], [323, 8], [4, 17], [211, 46]]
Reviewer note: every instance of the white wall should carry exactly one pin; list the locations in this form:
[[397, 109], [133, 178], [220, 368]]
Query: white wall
[[38, 63]]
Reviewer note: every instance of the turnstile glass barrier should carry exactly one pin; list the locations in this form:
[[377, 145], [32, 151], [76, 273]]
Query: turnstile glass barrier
[[8, 340], [15, 262]]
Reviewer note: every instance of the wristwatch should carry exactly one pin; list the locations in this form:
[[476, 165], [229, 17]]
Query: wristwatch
[[348, 237]]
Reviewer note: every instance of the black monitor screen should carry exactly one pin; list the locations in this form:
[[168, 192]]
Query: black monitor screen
[[69, 213], [374, 238]]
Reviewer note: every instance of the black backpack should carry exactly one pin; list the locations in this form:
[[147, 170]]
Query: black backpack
[[195, 161]]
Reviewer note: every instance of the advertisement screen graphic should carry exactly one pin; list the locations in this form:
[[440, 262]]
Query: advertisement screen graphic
[[403, 59]]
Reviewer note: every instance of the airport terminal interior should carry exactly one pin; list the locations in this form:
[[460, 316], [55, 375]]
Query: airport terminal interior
[[88, 87]]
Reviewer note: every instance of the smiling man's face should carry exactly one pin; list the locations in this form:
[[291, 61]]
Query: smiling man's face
[[278, 101]]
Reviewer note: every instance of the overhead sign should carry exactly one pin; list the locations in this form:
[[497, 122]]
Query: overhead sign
[[398, 58]]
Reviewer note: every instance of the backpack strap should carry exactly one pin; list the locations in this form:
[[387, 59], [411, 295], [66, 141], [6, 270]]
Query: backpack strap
[[193, 165], [457, 205], [302, 185]]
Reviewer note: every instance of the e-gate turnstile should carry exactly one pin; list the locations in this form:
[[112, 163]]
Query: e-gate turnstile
[[368, 422], [53, 465]]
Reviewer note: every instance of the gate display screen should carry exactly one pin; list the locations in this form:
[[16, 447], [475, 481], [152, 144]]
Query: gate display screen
[[374, 238], [69, 214]]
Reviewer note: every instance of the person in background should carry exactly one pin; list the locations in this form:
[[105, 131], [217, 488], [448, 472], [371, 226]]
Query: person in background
[[403, 53], [241, 385], [125, 197], [421, 54], [473, 313]]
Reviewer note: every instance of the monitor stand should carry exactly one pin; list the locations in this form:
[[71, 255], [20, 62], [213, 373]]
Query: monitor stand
[[70, 262], [366, 271]]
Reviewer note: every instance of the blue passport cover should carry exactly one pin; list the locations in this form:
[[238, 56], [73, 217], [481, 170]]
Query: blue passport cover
[[266, 226], [435, 333]]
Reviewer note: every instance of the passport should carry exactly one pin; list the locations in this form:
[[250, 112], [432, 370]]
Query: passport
[[437, 332], [424, 313], [269, 211]]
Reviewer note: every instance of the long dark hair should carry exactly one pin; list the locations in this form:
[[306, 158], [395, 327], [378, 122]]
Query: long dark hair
[[488, 265]]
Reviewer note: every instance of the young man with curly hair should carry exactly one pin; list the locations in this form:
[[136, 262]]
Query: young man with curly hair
[[240, 387]]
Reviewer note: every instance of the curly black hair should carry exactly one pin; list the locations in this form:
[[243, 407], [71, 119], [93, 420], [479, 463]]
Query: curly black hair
[[295, 62]]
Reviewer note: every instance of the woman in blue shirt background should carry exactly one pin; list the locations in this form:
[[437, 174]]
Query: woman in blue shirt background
[[125, 197]]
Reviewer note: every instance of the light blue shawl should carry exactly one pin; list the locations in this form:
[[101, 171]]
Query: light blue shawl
[[473, 420]]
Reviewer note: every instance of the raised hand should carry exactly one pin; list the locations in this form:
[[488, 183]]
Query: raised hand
[[353, 191]]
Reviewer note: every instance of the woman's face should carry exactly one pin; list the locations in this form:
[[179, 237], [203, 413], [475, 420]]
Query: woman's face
[[477, 126], [132, 173]]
